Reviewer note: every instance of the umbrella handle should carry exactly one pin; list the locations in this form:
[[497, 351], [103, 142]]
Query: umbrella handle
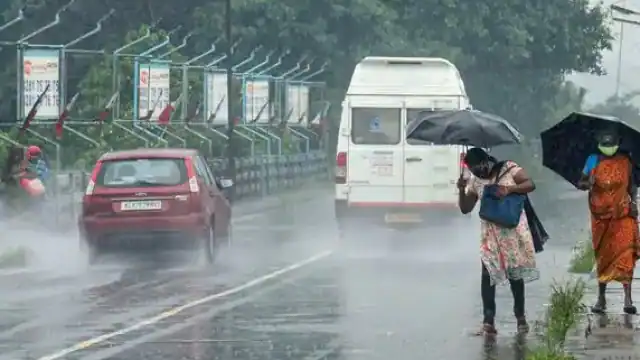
[[463, 165]]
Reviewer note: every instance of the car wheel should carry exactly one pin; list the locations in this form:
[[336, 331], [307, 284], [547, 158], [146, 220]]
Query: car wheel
[[210, 247]]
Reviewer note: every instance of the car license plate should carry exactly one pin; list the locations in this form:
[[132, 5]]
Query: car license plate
[[140, 205], [402, 218]]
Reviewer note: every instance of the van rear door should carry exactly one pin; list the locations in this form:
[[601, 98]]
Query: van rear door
[[375, 163], [430, 171]]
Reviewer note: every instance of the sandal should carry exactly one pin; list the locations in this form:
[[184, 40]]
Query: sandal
[[489, 329], [630, 310], [523, 326], [486, 330]]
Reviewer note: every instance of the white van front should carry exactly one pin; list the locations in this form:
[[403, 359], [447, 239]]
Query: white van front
[[377, 168]]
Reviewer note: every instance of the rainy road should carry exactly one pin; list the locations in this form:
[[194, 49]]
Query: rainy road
[[288, 289]]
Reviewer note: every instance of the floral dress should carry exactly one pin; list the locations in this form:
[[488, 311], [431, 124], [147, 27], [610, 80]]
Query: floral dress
[[505, 253]]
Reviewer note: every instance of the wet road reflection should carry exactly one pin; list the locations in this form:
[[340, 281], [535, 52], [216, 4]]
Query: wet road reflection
[[381, 294]]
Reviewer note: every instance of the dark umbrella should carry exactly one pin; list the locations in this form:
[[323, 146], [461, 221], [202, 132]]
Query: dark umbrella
[[463, 127], [567, 145]]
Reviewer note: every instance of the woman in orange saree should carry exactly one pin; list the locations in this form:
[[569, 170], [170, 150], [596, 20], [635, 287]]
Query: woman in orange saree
[[608, 176]]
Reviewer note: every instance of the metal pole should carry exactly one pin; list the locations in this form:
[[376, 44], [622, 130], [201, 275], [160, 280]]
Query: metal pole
[[167, 41], [114, 68], [19, 18], [63, 54], [185, 77], [55, 22], [230, 121], [252, 56], [281, 87], [301, 136], [177, 48], [295, 68], [95, 30], [619, 69], [223, 57], [275, 65], [300, 73], [132, 133], [202, 137], [260, 135], [265, 62], [322, 69]]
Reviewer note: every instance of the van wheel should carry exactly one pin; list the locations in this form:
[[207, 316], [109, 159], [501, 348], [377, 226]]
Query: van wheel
[[210, 247]]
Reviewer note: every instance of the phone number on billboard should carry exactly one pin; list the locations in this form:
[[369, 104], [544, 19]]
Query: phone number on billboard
[[34, 88]]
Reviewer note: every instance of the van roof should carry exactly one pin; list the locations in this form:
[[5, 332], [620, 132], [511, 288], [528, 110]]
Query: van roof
[[406, 76], [405, 60], [176, 153]]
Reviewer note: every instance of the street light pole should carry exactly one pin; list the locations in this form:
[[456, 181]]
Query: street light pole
[[628, 12], [619, 70], [230, 118]]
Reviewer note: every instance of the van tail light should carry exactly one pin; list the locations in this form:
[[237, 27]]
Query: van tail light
[[193, 179], [92, 181], [341, 168]]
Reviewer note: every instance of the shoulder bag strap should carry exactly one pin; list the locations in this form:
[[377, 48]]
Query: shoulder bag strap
[[504, 173]]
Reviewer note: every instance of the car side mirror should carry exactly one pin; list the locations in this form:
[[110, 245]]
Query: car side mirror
[[226, 183]]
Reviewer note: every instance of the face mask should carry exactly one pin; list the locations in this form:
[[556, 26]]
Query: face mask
[[608, 150], [481, 170]]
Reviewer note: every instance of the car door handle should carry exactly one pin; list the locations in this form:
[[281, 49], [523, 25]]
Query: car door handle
[[413, 159]]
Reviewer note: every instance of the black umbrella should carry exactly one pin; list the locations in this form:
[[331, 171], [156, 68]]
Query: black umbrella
[[567, 145], [463, 127]]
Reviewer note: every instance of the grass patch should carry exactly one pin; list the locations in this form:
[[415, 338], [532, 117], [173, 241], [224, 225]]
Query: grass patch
[[15, 257], [566, 309], [583, 259]]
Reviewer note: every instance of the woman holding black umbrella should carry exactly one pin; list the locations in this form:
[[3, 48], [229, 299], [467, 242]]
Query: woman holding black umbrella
[[588, 151], [608, 176], [507, 254], [507, 250]]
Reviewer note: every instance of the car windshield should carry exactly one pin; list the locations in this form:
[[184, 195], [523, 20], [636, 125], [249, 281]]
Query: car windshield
[[142, 172]]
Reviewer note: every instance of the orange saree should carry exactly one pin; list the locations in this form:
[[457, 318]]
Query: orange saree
[[614, 233]]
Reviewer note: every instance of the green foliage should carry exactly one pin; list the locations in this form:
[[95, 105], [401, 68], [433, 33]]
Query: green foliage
[[566, 309], [513, 55], [620, 107], [14, 257], [583, 258]]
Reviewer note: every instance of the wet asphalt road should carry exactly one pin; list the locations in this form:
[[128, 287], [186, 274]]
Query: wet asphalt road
[[289, 288]]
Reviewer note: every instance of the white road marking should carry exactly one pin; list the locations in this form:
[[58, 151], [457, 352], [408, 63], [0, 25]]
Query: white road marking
[[171, 312]]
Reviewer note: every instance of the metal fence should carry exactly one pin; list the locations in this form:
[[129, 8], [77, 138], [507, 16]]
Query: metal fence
[[257, 177], [161, 98], [267, 118]]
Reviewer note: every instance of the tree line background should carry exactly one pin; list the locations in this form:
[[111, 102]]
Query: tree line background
[[513, 55]]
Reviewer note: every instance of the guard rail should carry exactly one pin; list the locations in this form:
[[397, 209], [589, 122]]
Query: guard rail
[[255, 177]]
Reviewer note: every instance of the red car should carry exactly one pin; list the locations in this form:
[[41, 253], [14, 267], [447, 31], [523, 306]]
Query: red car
[[154, 197]]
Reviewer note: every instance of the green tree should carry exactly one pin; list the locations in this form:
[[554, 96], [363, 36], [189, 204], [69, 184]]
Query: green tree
[[620, 107], [569, 98], [513, 55]]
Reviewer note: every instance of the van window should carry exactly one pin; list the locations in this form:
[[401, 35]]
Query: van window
[[375, 126], [414, 114], [142, 172]]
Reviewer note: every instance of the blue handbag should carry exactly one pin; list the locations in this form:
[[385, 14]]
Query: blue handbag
[[503, 211]]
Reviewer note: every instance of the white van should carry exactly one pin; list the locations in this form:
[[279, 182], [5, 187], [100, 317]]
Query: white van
[[378, 171]]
